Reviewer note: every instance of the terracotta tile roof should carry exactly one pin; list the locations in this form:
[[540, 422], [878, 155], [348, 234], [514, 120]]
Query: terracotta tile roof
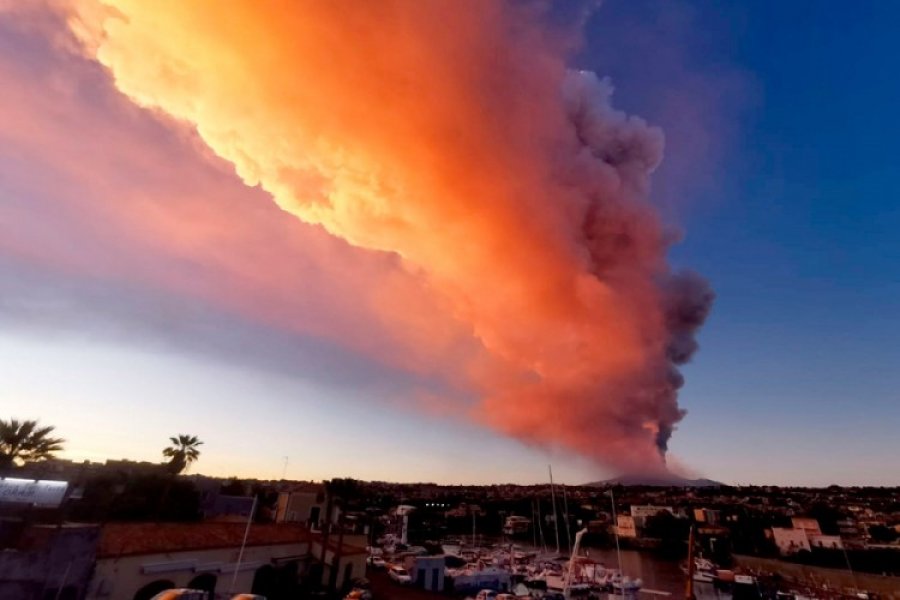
[[37, 538], [348, 549], [123, 539]]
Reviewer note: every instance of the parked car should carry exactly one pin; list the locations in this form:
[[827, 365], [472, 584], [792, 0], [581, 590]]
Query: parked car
[[181, 594], [358, 594], [400, 575]]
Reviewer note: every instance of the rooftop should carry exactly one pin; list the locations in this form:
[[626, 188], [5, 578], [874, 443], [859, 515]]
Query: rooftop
[[125, 539]]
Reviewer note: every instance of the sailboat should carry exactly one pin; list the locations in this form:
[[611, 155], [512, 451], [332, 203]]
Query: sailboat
[[622, 586]]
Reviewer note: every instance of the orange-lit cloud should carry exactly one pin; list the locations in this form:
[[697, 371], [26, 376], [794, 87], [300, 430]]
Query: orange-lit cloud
[[105, 201], [457, 140], [500, 197]]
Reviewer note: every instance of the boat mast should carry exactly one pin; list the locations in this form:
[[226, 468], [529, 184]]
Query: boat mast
[[553, 500], [689, 586], [578, 537], [612, 501], [540, 527], [566, 518]]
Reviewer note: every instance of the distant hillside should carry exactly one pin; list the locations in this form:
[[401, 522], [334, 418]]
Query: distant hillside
[[669, 480]]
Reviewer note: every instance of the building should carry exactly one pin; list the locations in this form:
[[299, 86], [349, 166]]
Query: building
[[221, 507], [625, 526], [135, 561], [790, 541], [641, 513], [850, 531], [832, 542], [809, 525], [649, 510], [706, 515], [428, 572], [302, 505], [46, 561]]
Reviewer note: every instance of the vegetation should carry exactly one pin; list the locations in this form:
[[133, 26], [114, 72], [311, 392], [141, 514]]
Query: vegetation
[[121, 497], [183, 451], [24, 441]]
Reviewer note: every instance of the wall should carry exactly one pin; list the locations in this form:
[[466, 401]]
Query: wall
[[790, 541], [351, 555], [297, 507], [49, 558], [120, 578], [810, 526], [626, 527], [888, 588], [826, 541]]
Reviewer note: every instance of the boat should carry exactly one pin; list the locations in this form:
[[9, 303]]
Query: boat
[[620, 584], [704, 571], [478, 577], [516, 525], [625, 587]]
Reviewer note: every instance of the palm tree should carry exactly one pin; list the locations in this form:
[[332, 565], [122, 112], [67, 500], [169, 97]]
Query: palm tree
[[24, 441], [182, 452]]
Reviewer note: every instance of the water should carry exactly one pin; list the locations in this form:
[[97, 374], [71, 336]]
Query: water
[[657, 573]]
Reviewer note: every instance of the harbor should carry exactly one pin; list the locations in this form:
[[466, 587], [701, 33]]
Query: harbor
[[503, 570], [523, 570]]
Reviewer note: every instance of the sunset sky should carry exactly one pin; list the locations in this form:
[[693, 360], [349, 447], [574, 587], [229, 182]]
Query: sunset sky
[[408, 242]]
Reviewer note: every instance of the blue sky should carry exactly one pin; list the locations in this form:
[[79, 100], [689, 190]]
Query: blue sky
[[780, 171], [797, 228]]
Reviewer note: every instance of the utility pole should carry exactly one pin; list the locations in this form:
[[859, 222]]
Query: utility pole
[[237, 567]]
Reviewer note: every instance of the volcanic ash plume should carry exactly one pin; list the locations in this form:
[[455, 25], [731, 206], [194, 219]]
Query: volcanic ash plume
[[454, 137]]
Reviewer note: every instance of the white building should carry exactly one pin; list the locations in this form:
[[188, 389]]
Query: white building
[[428, 572], [302, 505], [790, 541], [832, 542], [706, 515], [135, 561], [648, 510], [641, 513], [625, 526], [807, 524]]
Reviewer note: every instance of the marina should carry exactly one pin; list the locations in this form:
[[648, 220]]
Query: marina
[[523, 570]]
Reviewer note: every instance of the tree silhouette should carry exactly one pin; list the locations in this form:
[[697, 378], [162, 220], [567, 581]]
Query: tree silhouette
[[182, 452], [25, 441]]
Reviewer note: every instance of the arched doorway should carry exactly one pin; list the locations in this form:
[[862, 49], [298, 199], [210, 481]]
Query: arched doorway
[[153, 588], [264, 581], [70, 592], [205, 582], [277, 583]]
